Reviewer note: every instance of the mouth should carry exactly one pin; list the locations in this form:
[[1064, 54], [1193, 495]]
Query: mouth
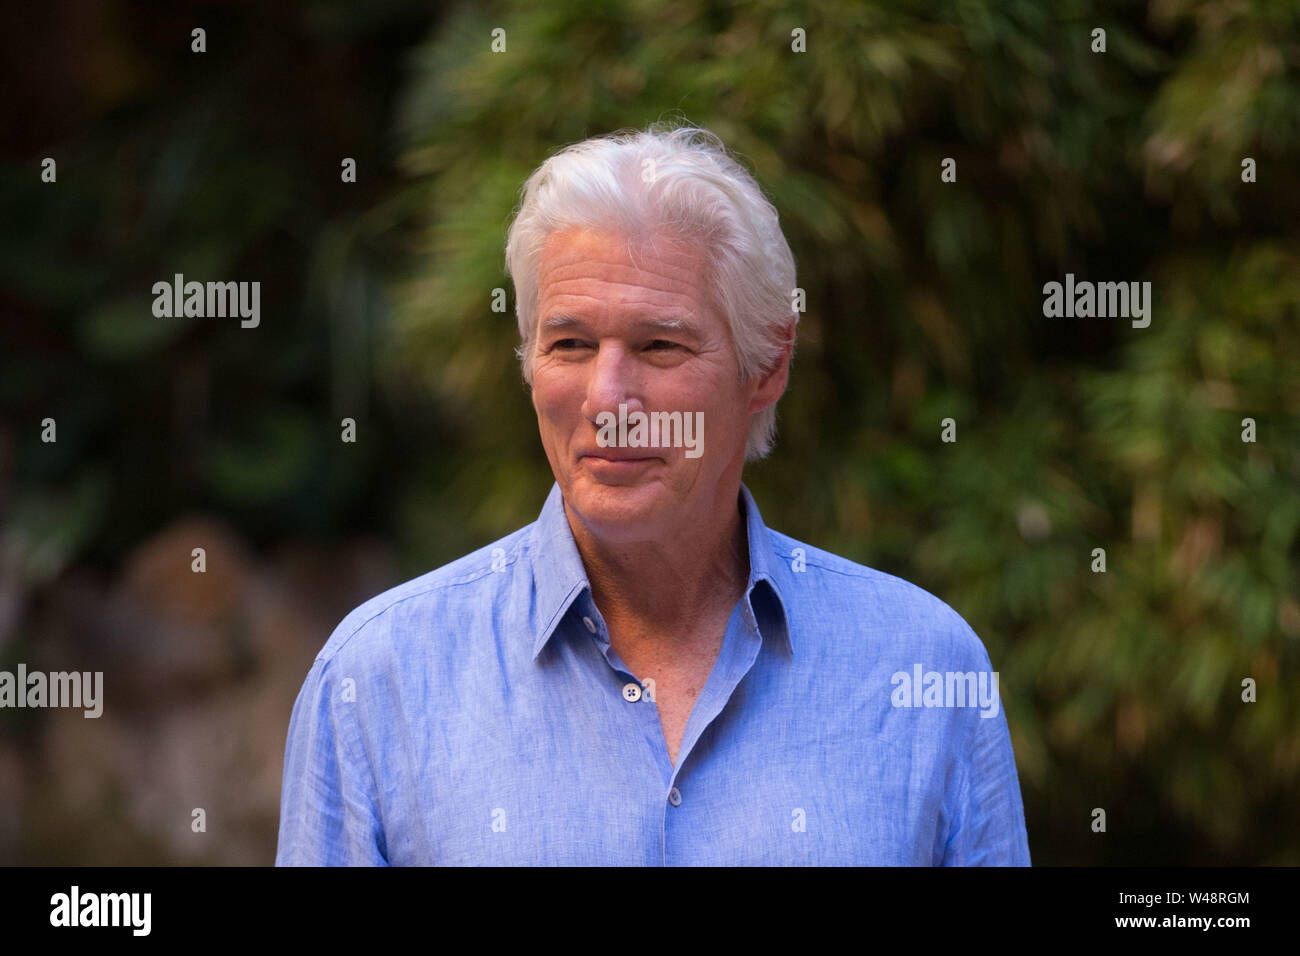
[[610, 465], [613, 456]]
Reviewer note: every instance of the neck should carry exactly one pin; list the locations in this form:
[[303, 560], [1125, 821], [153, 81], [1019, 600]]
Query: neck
[[660, 587]]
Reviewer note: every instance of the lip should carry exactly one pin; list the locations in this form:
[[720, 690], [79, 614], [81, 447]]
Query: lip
[[610, 455]]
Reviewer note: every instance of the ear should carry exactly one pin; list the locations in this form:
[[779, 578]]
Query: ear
[[770, 385]]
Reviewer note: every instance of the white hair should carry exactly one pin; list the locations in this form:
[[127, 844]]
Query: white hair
[[679, 180]]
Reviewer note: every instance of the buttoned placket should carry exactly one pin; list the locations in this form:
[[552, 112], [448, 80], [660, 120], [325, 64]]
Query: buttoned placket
[[739, 650], [631, 689], [740, 647]]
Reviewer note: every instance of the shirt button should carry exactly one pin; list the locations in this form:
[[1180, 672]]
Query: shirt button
[[675, 797], [591, 625], [631, 692]]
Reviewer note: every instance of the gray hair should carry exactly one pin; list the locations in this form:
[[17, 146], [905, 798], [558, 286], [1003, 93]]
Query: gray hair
[[694, 191]]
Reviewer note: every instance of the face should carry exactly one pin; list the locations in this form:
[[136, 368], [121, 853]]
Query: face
[[637, 327]]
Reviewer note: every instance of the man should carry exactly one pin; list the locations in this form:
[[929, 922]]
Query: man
[[647, 675]]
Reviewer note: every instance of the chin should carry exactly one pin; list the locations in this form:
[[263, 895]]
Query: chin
[[618, 511]]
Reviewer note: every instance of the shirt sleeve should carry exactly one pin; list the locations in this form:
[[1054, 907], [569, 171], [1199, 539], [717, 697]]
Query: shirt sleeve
[[328, 807], [989, 823]]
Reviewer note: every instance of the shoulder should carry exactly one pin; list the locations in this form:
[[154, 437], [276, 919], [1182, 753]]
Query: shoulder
[[435, 598], [827, 588]]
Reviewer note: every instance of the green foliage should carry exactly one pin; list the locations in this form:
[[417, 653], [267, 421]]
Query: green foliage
[[218, 166]]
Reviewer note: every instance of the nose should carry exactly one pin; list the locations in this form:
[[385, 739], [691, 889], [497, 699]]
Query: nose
[[613, 380]]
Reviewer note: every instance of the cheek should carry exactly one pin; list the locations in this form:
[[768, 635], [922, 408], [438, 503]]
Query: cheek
[[726, 413], [712, 392], [556, 397]]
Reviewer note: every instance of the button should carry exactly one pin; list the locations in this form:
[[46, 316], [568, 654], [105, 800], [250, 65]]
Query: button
[[675, 797], [631, 693], [591, 625]]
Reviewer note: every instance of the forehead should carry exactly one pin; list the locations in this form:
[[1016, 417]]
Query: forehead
[[590, 270]]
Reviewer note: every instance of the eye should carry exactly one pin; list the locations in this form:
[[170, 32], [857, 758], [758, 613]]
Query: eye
[[659, 345], [565, 345]]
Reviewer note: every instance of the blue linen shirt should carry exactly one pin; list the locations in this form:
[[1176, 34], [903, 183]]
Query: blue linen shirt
[[478, 715]]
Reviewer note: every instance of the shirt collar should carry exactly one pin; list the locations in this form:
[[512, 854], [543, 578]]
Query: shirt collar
[[558, 573], [560, 577]]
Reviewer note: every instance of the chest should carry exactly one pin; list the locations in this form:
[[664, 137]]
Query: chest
[[562, 774], [675, 698], [674, 680]]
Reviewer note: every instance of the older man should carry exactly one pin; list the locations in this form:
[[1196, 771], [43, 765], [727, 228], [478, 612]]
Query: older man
[[647, 674]]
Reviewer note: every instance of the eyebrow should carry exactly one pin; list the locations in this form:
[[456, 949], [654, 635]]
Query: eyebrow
[[555, 323]]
